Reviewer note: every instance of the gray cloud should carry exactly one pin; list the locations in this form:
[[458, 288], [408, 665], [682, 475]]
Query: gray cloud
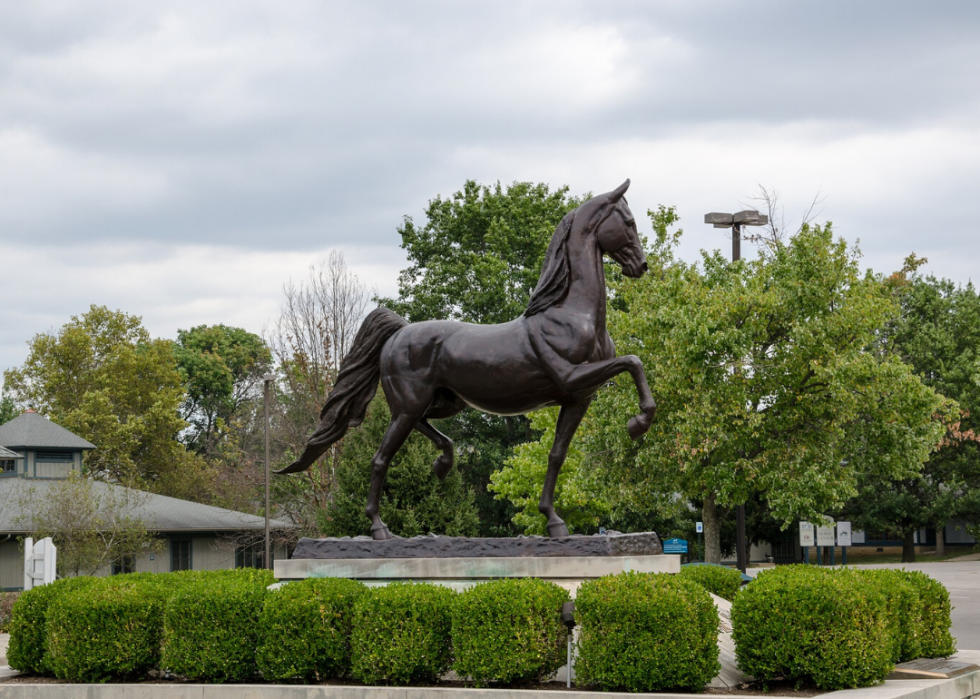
[[253, 137]]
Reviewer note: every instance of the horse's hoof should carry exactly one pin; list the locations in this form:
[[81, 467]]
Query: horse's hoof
[[381, 533], [442, 466], [638, 426], [557, 530]]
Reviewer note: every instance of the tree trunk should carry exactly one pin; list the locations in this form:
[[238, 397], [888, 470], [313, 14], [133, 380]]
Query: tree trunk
[[941, 539], [712, 530], [908, 547]]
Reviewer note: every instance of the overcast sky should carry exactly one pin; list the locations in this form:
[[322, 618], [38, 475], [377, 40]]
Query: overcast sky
[[182, 160]]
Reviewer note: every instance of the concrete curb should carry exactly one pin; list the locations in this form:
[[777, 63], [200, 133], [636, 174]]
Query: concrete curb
[[956, 688], [962, 687]]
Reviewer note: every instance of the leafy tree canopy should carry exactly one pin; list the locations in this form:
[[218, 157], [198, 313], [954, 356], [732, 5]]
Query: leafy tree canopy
[[938, 335], [104, 378], [766, 378], [479, 253], [221, 367]]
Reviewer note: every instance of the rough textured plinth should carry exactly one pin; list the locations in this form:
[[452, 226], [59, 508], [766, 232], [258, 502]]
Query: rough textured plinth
[[609, 544], [474, 569]]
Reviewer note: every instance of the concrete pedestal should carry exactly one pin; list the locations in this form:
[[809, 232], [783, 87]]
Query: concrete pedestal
[[460, 573]]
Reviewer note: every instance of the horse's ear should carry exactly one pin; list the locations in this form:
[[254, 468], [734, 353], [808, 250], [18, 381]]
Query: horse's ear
[[618, 193]]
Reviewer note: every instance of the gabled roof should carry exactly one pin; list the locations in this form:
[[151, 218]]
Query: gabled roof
[[158, 512], [31, 431], [7, 454]]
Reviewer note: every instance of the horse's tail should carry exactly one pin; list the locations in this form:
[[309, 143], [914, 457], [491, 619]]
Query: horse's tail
[[356, 385]]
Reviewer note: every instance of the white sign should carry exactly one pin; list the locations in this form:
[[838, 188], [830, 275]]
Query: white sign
[[843, 533], [40, 562], [806, 534], [825, 536], [699, 527]]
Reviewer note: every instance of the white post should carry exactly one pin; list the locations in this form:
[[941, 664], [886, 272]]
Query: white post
[[40, 562], [28, 563]]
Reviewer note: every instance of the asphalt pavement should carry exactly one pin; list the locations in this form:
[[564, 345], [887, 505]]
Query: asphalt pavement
[[962, 579]]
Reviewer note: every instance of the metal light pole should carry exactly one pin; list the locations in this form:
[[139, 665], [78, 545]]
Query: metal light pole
[[735, 222], [267, 381]]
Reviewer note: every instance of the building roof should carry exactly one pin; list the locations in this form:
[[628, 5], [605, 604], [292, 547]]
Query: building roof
[[158, 512], [7, 454], [31, 431]]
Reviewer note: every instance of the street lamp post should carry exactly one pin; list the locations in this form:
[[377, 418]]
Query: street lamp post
[[735, 222], [267, 381]]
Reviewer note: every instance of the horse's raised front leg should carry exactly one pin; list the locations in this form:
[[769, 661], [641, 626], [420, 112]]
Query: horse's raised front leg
[[444, 462], [568, 421], [398, 431]]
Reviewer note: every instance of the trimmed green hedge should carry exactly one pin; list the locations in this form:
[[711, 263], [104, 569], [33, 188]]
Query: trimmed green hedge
[[211, 626], [719, 580], [28, 629], [934, 616], [830, 627], [903, 607], [509, 631], [401, 633], [305, 629], [646, 632], [109, 629]]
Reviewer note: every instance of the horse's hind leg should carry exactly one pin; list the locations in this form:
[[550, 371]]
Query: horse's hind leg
[[444, 462], [568, 421], [398, 431]]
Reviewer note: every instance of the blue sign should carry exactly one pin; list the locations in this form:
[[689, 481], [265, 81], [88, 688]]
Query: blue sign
[[675, 546]]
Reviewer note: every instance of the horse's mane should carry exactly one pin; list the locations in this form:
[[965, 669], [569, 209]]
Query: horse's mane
[[555, 276]]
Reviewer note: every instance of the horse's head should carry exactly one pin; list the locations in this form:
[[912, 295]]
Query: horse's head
[[616, 234]]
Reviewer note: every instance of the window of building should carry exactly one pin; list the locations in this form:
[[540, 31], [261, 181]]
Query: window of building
[[251, 556], [126, 564], [54, 457], [180, 555], [8, 466]]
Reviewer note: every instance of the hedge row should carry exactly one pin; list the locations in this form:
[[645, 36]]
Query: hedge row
[[639, 632], [225, 626], [716, 579], [838, 628]]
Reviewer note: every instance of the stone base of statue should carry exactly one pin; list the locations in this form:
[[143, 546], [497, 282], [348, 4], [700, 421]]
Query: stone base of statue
[[460, 562]]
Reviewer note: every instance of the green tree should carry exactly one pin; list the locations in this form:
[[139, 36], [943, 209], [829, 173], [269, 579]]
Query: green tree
[[477, 258], [222, 369], [938, 335], [414, 500], [92, 524], [766, 381], [104, 378], [8, 409]]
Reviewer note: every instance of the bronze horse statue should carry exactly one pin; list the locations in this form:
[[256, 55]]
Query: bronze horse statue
[[557, 353]]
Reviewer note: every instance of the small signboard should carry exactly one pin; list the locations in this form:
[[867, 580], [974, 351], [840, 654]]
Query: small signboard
[[806, 534], [825, 536], [843, 533], [699, 527], [675, 546]]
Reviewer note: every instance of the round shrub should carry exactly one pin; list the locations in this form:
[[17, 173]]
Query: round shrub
[[902, 605], [28, 630], [509, 631], [829, 627], [305, 629], [719, 580], [211, 627], [109, 629], [646, 632], [934, 609], [401, 633]]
